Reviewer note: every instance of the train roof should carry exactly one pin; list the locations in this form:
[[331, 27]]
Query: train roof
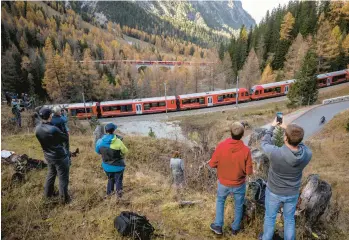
[[140, 100], [211, 93], [324, 75], [155, 99], [275, 84], [81, 105]]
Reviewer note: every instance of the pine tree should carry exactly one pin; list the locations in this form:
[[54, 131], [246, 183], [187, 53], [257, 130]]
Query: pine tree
[[279, 137], [294, 57], [287, 26], [221, 51], [304, 91], [227, 71], [250, 73], [327, 46], [267, 76]]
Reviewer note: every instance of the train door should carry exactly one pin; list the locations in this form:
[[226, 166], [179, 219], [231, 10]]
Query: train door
[[286, 89], [138, 108], [209, 101], [328, 83]]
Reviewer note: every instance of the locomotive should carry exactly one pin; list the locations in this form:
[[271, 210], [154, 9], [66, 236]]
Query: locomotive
[[194, 100]]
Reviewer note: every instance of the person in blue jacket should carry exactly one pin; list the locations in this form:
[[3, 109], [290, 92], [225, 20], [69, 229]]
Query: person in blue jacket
[[113, 152]]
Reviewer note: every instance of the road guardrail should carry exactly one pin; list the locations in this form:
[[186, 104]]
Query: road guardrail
[[335, 100]]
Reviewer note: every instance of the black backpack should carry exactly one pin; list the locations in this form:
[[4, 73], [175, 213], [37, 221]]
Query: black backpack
[[133, 225], [258, 189]]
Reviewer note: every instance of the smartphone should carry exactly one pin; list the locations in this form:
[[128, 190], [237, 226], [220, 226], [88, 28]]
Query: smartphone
[[279, 117]]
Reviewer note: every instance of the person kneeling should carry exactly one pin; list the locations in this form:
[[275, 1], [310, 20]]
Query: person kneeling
[[233, 162], [113, 151]]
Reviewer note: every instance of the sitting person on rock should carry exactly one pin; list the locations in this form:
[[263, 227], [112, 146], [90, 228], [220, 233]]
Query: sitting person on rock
[[284, 178], [113, 152], [233, 162], [177, 168]]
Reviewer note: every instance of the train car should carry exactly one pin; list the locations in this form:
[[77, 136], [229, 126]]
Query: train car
[[213, 98], [137, 106], [229, 96], [195, 100], [332, 78], [270, 90], [82, 111]]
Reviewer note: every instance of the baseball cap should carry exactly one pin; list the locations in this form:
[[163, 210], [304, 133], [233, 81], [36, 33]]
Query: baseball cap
[[45, 113], [110, 126]]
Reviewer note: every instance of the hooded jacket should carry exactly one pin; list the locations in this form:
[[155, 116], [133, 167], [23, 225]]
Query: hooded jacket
[[233, 162], [112, 150], [286, 166], [51, 140]]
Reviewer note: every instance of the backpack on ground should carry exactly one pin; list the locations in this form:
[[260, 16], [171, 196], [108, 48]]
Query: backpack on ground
[[133, 225], [258, 190]]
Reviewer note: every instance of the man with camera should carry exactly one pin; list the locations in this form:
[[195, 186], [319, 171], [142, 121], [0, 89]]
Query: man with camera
[[52, 141], [284, 177]]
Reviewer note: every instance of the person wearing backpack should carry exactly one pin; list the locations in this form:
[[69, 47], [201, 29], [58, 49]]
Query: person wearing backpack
[[113, 152], [284, 178], [233, 162]]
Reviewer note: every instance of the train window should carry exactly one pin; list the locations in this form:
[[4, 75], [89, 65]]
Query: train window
[[246, 94], [106, 109], [257, 92], [126, 108], [82, 110], [193, 100], [115, 108], [220, 98], [146, 106], [185, 101], [162, 104], [233, 95], [202, 100], [278, 89], [266, 90], [154, 104], [73, 112]]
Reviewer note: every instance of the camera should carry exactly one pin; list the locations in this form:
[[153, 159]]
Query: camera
[[279, 117]]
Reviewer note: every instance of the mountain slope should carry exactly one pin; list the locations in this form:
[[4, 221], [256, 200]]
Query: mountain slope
[[200, 22]]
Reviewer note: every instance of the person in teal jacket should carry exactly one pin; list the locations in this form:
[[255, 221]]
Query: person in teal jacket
[[113, 151]]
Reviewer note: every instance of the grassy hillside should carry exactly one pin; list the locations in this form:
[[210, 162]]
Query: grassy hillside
[[147, 184], [330, 160]]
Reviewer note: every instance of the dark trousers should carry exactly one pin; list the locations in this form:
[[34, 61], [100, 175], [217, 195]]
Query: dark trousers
[[60, 168], [114, 178]]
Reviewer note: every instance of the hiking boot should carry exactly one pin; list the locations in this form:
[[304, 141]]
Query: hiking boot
[[119, 194], [216, 229], [235, 232]]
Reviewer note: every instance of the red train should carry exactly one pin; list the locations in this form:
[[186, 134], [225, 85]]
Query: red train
[[193, 100]]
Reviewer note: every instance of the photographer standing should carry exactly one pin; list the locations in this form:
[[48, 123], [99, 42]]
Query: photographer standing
[[284, 177], [52, 141], [60, 120]]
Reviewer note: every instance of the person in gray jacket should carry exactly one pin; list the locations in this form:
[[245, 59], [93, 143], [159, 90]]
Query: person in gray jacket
[[284, 178], [52, 142]]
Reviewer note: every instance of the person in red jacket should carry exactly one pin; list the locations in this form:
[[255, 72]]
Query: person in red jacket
[[233, 162]]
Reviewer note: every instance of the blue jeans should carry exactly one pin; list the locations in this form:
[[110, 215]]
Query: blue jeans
[[272, 205], [239, 197], [114, 178], [60, 168]]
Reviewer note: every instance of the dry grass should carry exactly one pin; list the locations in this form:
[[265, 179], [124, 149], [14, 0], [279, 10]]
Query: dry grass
[[147, 185], [330, 160]]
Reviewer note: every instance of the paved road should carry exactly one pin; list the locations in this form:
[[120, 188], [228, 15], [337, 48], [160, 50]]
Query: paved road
[[310, 121], [162, 116]]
